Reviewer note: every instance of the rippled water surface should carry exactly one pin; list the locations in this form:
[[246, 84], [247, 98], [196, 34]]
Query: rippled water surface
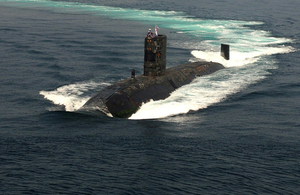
[[232, 132]]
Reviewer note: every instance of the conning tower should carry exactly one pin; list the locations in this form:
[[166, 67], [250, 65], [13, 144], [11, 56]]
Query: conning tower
[[155, 55]]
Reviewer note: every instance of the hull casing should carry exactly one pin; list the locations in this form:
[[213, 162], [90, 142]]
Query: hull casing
[[125, 97]]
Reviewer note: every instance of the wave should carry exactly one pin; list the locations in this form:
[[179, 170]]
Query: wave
[[251, 56], [71, 97]]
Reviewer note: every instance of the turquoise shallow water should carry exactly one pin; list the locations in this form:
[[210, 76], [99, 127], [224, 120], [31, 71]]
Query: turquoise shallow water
[[233, 132]]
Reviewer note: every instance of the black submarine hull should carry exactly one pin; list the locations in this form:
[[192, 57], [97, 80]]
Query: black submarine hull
[[125, 97]]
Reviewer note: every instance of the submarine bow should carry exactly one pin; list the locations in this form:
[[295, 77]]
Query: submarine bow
[[125, 97]]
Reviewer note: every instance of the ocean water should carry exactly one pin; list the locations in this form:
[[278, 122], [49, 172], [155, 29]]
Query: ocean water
[[236, 131]]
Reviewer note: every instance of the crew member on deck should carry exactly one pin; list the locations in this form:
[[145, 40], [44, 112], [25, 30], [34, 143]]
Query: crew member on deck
[[153, 35], [150, 33]]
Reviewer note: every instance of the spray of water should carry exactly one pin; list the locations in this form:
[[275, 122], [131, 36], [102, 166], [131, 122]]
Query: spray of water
[[71, 97]]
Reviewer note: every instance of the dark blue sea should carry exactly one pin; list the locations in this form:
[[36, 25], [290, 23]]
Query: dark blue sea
[[236, 131]]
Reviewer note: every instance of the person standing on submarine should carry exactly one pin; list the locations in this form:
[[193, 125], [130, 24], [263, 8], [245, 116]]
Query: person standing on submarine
[[150, 34]]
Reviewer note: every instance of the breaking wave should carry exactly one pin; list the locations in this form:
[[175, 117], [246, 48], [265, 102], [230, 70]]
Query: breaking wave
[[71, 97]]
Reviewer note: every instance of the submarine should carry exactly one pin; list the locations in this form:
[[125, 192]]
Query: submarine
[[124, 98]]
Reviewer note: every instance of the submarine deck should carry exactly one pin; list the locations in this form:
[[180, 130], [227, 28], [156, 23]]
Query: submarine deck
[[124, 98]]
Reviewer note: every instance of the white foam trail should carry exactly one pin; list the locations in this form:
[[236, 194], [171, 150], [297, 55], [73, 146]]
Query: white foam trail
[[72, 96], [201, 93], [244, 69], [250, 55], [240, 58]]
